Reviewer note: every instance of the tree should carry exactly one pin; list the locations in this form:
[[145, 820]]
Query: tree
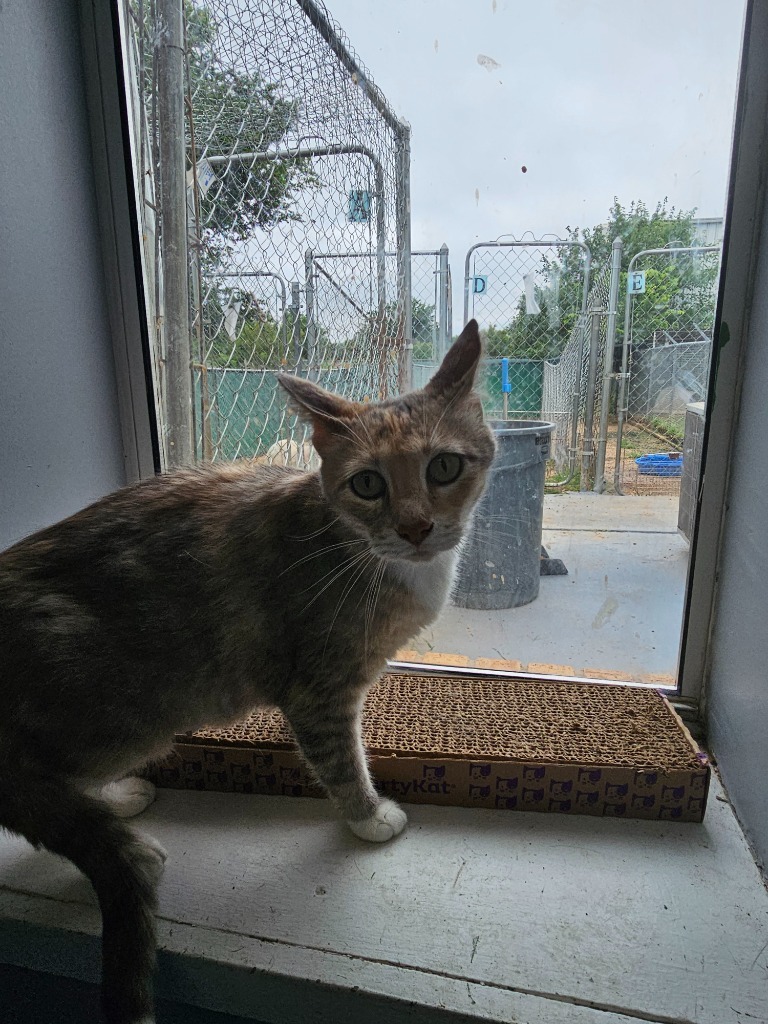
[[256, 341], [423, 320], [678, 292], [236, 111], [369, 337]]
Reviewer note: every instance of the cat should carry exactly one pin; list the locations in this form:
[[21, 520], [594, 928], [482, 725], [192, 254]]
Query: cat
[[188, 599]]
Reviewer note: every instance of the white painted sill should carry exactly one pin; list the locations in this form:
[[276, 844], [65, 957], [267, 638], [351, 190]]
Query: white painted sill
[[270, 910]]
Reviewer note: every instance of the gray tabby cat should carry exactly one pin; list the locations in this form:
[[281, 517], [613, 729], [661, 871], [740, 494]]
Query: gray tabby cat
[[189, 599]]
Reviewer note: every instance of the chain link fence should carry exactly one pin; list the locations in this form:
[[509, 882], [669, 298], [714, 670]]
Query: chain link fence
[[572, 391], [298, 214], [527, 296], [298, 238], [666, 350], [431, 304]]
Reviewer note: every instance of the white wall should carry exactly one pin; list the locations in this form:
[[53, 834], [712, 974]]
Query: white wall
[[60, 441], [738, 682]]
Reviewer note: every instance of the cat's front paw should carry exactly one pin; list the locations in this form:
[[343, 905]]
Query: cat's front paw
[[127, 797], [387, 821]]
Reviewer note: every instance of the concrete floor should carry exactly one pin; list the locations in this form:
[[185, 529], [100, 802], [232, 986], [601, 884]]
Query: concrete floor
[[617, 614]]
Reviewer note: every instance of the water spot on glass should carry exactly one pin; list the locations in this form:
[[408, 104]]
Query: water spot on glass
[[487, 62]]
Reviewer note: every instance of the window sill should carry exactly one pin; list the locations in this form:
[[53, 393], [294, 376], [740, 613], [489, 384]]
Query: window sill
[[271, 911]]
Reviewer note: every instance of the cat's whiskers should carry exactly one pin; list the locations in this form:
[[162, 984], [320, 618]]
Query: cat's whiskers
[[448, 406], [311, 536], [336, 573], [372, 601], [506, 519], [349, 560], [194, 558], [364, 425], [359, 441], [348, 587], [322, 551]]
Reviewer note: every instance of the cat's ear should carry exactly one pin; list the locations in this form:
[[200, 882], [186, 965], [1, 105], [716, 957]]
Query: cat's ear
[[328, 414], [457, 371]]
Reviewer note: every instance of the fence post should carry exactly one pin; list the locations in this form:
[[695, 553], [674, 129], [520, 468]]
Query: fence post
[[293, 312], [449, 319], [622, 396], [466, 285], [610, 340], [444, 277], [587, 448], [169, 56], [403, 231], [309, 298]]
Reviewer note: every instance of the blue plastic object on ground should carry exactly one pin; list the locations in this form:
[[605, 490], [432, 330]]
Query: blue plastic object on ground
[[661, 464]]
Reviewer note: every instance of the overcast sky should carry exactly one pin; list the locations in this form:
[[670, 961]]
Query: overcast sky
[[596, 98]]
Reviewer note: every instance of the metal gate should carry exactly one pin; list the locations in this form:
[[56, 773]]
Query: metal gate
[[530, 298], [669, 315]]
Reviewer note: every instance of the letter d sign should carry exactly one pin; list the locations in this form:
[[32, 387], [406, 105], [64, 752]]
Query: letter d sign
[[479, 284]]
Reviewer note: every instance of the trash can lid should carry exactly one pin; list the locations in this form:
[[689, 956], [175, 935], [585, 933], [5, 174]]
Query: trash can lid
[[520, 426]]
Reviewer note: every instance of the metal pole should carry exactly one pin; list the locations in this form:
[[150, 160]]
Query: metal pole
[[466, 284], [443, 337], [202, 429], [309, 298], [449, 334], [318, 18], [622, 395], [169, 58], [587, 448], [403, 246], [295, 324], [610, 339]]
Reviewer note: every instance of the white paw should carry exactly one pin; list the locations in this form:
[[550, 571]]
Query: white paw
[[149, 853], [128, 797], [387, 821]]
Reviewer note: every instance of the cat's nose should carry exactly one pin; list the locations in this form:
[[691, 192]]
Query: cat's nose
[[415, 532]]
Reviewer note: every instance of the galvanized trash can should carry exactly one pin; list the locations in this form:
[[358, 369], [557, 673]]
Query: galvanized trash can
[[500, 562]]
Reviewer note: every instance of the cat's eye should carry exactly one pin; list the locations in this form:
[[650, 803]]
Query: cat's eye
[[445, 468], [368, 484]]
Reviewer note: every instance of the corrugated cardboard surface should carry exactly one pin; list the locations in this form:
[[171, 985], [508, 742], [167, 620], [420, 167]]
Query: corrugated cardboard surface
[[480, 742]]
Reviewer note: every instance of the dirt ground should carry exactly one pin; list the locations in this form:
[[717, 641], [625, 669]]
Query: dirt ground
[[637, 439]]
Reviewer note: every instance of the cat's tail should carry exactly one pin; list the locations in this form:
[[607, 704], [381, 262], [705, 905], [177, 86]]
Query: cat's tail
[[122, 867]]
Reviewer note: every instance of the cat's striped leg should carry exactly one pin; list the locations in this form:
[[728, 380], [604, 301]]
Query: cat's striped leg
[[332, 743]]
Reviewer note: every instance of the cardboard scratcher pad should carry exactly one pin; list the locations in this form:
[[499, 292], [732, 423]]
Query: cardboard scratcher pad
[[481, 741]]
